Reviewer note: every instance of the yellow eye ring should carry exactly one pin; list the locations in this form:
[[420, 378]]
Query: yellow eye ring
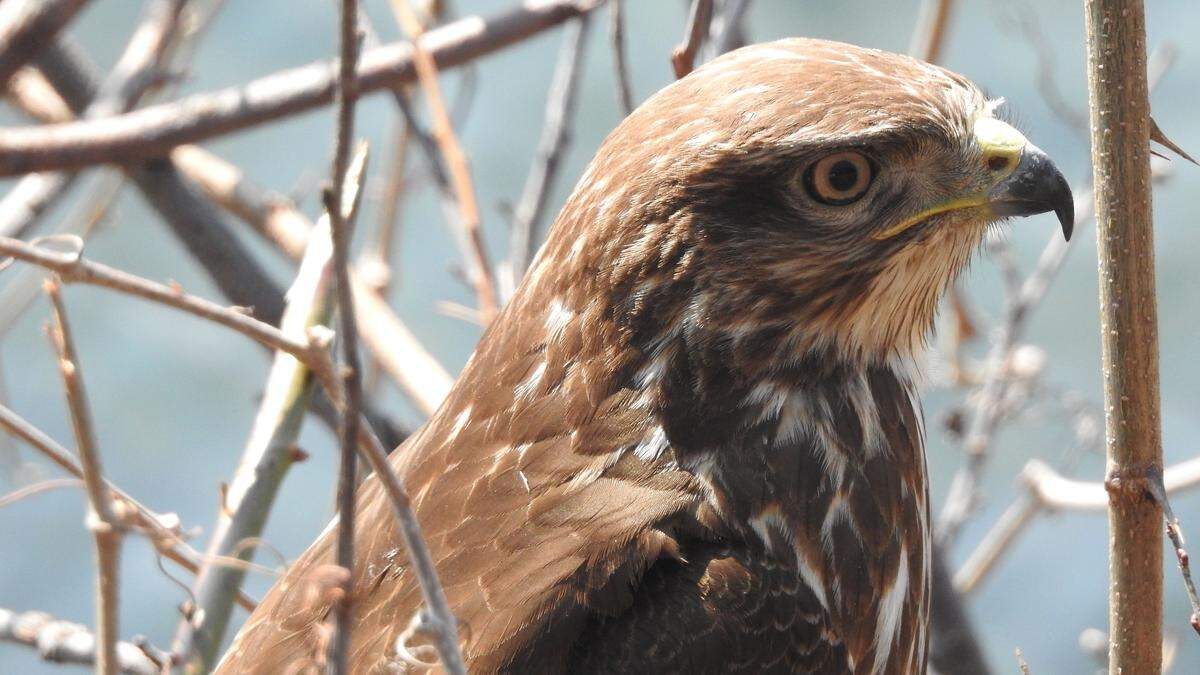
[[839, 179]]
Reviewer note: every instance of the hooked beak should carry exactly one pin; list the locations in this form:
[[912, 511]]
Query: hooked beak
[[1035, 186]]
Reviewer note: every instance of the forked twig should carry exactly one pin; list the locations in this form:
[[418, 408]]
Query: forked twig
[[103, 520]]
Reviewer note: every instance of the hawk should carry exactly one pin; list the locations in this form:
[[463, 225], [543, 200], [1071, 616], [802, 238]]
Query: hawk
[[691, 442]]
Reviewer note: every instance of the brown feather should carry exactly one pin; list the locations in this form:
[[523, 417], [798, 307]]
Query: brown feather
[[689, 441]]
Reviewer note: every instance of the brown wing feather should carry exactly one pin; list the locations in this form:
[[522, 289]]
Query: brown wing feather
[[530, 509]]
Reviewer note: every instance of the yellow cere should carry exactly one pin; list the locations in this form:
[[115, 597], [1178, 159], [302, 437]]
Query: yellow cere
[[995, 139]]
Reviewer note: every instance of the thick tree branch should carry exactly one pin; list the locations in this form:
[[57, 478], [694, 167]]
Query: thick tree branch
[[1120, 124], [556, 138]]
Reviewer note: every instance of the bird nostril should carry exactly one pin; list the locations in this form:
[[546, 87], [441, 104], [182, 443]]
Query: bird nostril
[[997, 163]]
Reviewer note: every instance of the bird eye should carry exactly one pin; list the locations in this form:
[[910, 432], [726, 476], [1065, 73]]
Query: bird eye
[[839, 179]]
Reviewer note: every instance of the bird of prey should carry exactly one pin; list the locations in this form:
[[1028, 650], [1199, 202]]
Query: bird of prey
[[691, 442]]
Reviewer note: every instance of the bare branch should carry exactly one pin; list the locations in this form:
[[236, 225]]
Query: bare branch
[[163, 530], [102, 517], [269, 452], [556, 138], [1120, 126], [726, 32], [66, 642], [683, 57], [426, 66], [131, 77], [392, 343], [156, 129], [435, 618], [616, 34], [73, 268], [26, 25], [1159, 492], [341, 223]]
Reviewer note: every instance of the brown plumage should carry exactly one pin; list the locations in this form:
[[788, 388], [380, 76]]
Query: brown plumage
[[690, 442]]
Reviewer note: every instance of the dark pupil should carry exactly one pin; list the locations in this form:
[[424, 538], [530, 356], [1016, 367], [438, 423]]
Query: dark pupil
[[843, 175]]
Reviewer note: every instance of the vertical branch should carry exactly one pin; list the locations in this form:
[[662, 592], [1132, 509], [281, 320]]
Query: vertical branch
[[269, 452], [556, 137], [616, 34], [1120, 123], [102, 517], [341, 222]]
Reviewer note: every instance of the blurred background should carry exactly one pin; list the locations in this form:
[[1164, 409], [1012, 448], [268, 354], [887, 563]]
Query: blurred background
[[174, 397]]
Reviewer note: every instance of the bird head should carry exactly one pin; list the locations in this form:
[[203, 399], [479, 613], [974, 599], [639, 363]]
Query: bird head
[[808, 194]]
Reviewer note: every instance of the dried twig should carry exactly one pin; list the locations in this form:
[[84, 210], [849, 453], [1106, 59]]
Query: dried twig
[[392, 343], [73, 268], [435, 618], [1159, 491], [426, 67], [616, 34], [269, 451], [135, 72], [154, 130], [102, 519], [193, 219], [66, 642], [26, 25], [556, 138], [341, 224], [163, 530], [37, 489], [683, 57]]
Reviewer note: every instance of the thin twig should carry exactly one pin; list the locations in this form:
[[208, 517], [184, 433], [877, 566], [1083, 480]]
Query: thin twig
[[102, 519], [38, 488], [154, 130], [399, 352], [425, 64], [556, 138], [436, 618], [1159, 491], [683, 57], [341, 222], [66, 642], [163, 530], [73, 268], [269, 452], [616, 34], [26, 25]]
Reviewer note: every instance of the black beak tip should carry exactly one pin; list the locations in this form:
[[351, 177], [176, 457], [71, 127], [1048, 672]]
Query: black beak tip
[[1066, 218]]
